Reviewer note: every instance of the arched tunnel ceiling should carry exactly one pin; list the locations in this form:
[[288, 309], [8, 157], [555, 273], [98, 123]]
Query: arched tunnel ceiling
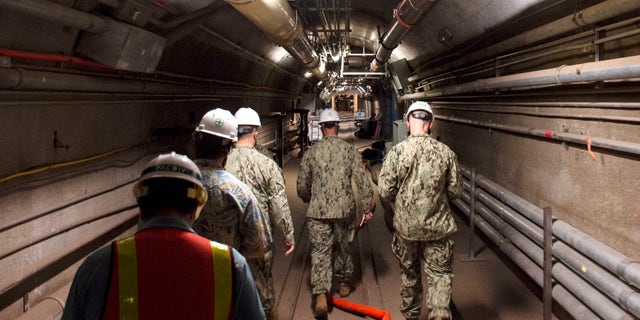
[[447, 28], [210, 39]]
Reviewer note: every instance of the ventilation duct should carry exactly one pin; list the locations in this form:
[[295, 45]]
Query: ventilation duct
[[281, 23], [406, 15], [117, 44]]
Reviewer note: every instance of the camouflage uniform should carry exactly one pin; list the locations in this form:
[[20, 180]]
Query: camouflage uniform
[[232, 215], [324, 180], [264, 150], [265, 179], [420, 175]]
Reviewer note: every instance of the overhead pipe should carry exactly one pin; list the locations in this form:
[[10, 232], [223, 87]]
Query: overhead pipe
[[25, 79], [496, 64], [562, 104], [586, 17], [282, 24], [256, 58], [604, 143], [58, 13], [51, 57], [406, 15], [612, 69]]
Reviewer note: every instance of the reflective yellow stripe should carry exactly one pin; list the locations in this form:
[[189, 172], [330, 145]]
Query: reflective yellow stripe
[[128, 279], [222, 274]]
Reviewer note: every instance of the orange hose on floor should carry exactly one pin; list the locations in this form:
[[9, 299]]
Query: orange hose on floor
[[359, 309]]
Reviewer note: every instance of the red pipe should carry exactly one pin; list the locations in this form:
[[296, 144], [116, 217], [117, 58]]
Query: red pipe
[[50, 57], [359, 309]]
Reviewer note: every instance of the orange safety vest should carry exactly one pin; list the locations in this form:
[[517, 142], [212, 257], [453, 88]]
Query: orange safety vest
[[167, 273]]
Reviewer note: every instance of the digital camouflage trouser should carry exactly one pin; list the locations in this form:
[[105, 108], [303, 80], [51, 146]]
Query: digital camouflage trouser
[[437, 258], [261, 271], [329, 242]]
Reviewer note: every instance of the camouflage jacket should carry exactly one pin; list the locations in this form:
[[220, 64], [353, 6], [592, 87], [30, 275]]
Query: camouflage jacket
[[419, 176], [325, 176], [265, 179], [231, 215], [264, 150]]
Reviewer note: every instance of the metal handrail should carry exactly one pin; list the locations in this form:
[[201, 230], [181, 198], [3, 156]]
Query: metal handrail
[[592, 280]]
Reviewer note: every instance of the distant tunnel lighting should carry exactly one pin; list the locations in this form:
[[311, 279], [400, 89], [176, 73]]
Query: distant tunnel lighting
[[277, 54]]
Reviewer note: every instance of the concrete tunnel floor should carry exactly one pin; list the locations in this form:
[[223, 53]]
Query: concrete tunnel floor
[[483, 288]]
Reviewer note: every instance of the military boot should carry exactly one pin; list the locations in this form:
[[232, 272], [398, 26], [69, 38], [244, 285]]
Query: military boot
[[271, 314], [344, 290], [322, 308]]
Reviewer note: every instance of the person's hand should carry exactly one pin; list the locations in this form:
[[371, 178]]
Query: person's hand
[[288, 249], [368, 216]]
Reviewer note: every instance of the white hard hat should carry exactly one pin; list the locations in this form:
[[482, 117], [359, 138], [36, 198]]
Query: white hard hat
[[219, 122], [247, 117], [419, 105], [329, 115], [175, 166]]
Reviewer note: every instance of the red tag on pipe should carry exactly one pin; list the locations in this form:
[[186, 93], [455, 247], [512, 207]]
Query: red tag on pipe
[[548, 134]]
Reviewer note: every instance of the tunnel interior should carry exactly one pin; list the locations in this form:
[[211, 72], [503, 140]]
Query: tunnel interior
[[538, 99]]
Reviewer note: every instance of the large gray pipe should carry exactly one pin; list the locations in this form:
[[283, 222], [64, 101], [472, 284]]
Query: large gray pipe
[[613, 69], [609, 144], [565, 298], [531, 239], [406, 15], [589, 16], [57, 13], [23, 79], [605, 256], [618, 291], [281, 23]]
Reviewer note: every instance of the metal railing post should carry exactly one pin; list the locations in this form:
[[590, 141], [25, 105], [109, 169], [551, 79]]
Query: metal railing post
[[472, 222], [547, 298]]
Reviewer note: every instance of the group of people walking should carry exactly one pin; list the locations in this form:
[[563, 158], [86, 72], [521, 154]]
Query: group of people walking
[[204, 245]]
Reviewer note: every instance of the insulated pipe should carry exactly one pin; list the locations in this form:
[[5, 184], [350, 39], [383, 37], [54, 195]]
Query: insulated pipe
[[524, 226], [611, 259], [565, 298], [610, 144], [58, 13], [51, 57], [604, 255], [23, 79], [589, 16], [256, 58], [618, 291], [548, 104], [589, 295], [607, 257], [598, 302], [406, 15], [613, 69], [281, 23]]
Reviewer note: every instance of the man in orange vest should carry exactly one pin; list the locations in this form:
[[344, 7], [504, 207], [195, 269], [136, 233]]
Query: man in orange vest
[[166, 270]]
